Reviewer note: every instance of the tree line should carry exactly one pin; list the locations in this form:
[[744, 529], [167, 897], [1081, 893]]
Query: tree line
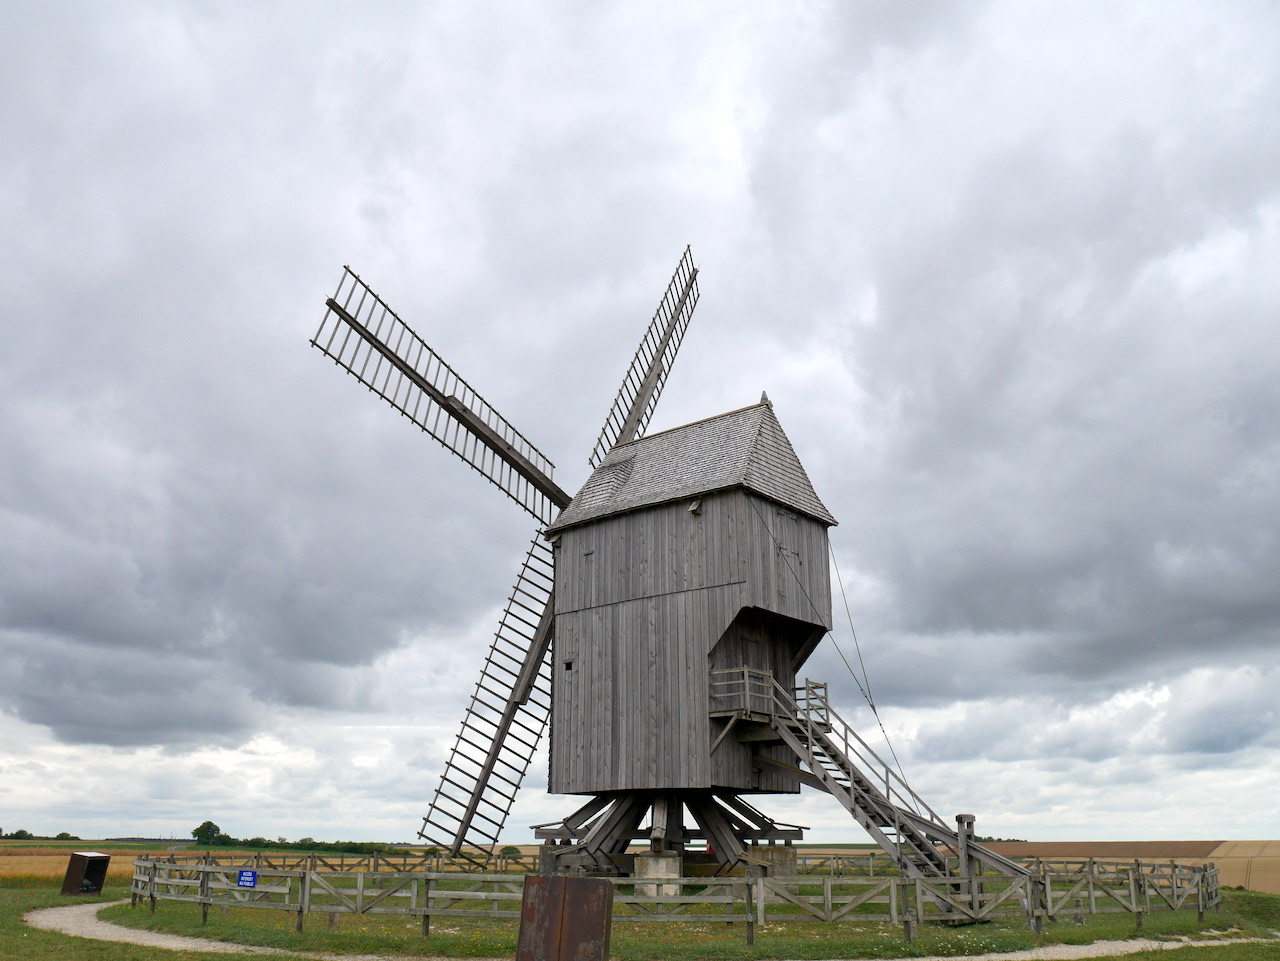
[[24, 835], [209, 835]]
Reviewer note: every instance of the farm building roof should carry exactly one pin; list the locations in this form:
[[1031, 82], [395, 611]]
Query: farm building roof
[[743, 448]]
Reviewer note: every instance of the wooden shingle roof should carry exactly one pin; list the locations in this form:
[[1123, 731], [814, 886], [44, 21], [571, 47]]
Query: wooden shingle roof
[[743, 448]]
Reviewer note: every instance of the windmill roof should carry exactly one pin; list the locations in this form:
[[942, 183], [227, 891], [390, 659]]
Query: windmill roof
[[743, 448]]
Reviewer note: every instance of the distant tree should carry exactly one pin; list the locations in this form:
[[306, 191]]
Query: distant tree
[[510, 851], [65, 836], [208, 834], [20, 835]]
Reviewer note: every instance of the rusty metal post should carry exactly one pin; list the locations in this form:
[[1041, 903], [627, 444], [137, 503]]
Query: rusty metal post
[[565, 919]]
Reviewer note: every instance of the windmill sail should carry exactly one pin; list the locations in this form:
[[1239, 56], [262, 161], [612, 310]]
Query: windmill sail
[[366, 337], [505, 720], [644, 380]]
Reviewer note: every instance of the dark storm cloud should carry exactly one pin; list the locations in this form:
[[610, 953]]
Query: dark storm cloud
[[1006, 272]]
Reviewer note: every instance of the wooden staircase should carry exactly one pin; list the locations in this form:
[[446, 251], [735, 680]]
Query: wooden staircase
[[834, 758]]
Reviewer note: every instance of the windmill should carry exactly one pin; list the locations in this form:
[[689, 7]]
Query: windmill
[[657, 622]]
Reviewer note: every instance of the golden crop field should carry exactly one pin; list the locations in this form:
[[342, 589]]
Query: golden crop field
[[44, 860]]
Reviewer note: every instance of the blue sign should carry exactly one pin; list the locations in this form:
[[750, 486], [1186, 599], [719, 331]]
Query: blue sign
[[248, 879]]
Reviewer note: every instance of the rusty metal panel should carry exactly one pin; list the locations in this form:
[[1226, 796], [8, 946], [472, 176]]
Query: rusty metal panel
[[565, 919], [86, 873]]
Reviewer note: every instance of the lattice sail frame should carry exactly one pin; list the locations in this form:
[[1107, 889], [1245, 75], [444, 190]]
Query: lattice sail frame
[[504, 721], [643, 382], [369, 340]]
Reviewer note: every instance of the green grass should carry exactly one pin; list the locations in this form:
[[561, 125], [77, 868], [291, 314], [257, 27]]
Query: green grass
[[1247, 913], [19, 942]]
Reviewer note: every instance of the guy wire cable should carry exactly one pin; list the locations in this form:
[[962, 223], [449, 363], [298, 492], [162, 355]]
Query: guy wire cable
[[866, 691], [858, 647]]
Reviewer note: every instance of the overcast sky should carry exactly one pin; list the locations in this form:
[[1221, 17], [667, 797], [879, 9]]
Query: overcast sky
[[1008, 272]]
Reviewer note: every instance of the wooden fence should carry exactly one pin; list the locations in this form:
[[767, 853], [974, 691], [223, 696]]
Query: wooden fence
[[311, 885]]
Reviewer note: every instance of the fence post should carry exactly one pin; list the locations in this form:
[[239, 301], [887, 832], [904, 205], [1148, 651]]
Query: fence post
[[1135, 881], [751, 917], [152, 888], [304, 898], [204, 891], [1079, 911], [1047, 881], [1038, 907], [426, 907], [909, 925]]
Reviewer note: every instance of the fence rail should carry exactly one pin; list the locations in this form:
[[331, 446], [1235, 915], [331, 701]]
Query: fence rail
[[1051, 890]]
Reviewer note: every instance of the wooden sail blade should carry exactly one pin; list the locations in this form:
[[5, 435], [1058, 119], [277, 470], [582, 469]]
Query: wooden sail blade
[[366, 337], [504, 721], [645, 378]]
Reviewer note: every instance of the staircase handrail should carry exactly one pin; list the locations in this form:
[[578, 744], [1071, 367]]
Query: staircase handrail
[[824, 717]]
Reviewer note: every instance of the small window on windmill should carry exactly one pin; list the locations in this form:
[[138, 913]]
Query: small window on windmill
[[568, 665]]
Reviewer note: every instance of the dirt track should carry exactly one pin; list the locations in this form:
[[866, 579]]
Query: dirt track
[[81, 921]]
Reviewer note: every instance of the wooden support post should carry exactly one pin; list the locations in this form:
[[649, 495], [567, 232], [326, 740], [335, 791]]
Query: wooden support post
[[1079, 911], [204, 891], [304, 895], [426, 908], [751, 917], [909, 926], [1135, 885]]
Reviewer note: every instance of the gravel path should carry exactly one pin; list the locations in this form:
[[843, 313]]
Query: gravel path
[[81, 921]]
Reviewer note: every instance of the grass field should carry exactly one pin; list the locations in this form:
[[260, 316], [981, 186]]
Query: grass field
[[1247, 914]]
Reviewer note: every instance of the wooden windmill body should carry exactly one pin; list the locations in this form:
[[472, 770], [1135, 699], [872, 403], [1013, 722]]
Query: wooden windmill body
[[658, 622]]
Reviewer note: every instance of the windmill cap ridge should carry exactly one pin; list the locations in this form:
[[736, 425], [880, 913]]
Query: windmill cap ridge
[[745, 448]]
